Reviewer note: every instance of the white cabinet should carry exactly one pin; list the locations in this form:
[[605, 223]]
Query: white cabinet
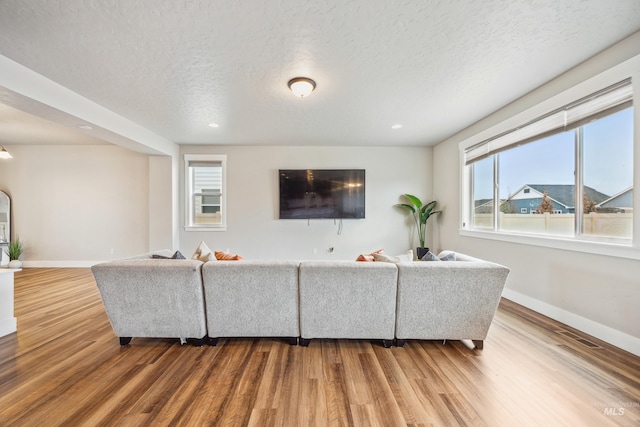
[[8, 323]]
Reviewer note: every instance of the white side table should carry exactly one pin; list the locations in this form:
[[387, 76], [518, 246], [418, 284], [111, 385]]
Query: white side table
[[8, 322]]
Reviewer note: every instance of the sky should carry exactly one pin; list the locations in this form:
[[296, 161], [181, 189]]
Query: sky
[[608, 160]]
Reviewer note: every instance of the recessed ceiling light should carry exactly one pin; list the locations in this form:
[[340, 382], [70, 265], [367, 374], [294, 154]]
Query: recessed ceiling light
[[213, 125], [85, 127], [396, 126]]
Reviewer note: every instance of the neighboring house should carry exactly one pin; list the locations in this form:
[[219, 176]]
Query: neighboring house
[[483, 206], [527, 199], [621, 202]]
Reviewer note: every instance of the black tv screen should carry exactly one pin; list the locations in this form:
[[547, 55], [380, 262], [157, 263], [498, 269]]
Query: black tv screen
[[321, 193]]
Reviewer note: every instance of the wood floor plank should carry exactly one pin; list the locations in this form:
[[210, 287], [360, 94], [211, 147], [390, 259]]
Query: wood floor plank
[[65, 366]]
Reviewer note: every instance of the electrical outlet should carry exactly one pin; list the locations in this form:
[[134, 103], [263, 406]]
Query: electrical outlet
[[315, 251], [112, 251]]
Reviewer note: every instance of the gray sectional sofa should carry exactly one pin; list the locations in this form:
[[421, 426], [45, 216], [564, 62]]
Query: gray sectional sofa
[[251, 299], [451, 300], [158, 298], [348, 299], [196, 301]]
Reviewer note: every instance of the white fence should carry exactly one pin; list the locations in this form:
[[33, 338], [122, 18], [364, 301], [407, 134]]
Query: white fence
[[594, 224]]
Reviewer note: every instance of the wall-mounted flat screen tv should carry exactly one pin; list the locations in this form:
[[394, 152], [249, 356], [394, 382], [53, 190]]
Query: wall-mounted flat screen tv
[[321, 193]]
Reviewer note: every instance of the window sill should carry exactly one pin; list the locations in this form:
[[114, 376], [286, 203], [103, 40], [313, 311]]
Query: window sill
[[205, 228], [619, 250]]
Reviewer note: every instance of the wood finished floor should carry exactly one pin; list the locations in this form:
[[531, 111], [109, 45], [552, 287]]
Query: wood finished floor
[[64, 367]]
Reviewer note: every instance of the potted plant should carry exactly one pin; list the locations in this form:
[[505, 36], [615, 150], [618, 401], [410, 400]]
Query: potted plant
[[421, 213], [15, 250]]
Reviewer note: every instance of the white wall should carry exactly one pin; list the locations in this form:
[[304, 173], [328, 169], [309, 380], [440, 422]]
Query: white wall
[[73, 204], [254, 230], [161, 203], [598, 294]]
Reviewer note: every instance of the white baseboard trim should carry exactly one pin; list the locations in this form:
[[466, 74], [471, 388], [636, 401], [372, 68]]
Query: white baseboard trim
[[59, 264], [8, 326], [605, 333]]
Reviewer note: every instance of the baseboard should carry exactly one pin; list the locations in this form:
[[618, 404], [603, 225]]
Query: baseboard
[[605, 333], [8, 326], [59, 264]]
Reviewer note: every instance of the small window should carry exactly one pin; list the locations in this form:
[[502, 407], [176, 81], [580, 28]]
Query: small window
[[523, 210], [205, 179], [527, 190]]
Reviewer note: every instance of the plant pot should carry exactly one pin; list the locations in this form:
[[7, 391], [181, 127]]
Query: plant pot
[[15, 263], [420, 252]]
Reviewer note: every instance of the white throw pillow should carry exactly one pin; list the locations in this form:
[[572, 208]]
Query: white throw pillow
[[407, 256], [203, 253]]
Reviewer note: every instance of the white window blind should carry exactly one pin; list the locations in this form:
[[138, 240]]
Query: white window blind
[[602, 103]]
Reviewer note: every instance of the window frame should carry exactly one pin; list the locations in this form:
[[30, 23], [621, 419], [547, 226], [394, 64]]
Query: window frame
[[190, 195], [610, 247]]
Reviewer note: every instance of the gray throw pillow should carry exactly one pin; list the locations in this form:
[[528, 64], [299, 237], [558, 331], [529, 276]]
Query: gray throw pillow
[[176, 255], [449, 257], [430, 256]]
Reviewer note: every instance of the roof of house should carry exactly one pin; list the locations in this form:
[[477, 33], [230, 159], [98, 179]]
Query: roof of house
[[565, 194], [623, 199], [480, 202]]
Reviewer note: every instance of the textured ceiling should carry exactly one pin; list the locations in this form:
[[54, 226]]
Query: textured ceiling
[[436, 67]]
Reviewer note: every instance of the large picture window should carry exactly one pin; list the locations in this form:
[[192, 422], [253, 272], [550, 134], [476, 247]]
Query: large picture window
[[205, 178], [568, 173]]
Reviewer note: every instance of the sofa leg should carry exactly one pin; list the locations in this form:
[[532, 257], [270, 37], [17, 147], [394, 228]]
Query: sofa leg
[[125, 340], [305, 342], [400, 343], [196, 342], [213, 341], [478, 343], [387, 343], [293, 340]]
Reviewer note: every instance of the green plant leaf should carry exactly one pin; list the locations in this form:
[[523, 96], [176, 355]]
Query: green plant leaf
[[416, 202], [15, 248], [421, 214], [405, 206]]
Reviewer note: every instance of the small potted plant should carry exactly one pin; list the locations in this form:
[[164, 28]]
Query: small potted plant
[[15, 250], [421, 213]]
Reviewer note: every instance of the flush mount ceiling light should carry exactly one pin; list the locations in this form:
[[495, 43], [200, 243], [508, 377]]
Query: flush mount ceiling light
[[301, 86], [4, 154]]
